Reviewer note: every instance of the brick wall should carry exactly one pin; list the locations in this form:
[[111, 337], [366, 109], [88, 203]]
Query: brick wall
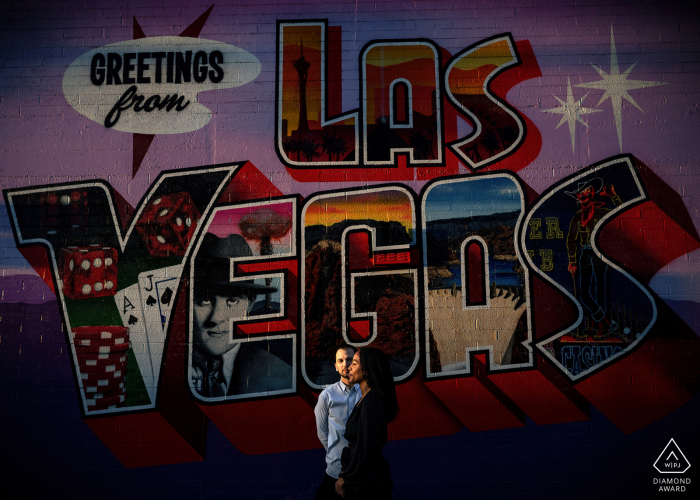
[[501, 196]]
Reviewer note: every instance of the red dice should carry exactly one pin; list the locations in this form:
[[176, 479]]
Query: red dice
[[168, 223], [88, 272], [64, 211]]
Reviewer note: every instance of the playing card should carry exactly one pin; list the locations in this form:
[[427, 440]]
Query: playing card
[[158, 288], [130, 308]]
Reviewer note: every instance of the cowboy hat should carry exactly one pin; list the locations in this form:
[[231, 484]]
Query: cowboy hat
[[596, 183]]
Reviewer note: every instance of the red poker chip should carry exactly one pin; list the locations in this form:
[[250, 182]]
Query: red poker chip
[[97, 359], [105, 381], [110, 331], [99, 335], [106, 394], [103, 369], [94, 377], [87, 342], [100, 357], [112, 407], [104, 378], [103, 408], [100, 401], [94, 361], [102, 389], [101, 349], [105, 401]]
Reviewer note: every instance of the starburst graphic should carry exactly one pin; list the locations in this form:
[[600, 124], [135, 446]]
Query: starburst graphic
[[141, 142], [571, 112], [616, 86]]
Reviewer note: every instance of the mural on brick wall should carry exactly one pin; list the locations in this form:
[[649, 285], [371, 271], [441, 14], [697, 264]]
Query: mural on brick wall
[[117, 288], [498, 129], [418, 221], [232, 353], [360, 286], [477, 290], [615, 310]]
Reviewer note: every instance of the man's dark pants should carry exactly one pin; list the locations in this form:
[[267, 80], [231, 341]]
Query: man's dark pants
[[326, 490]]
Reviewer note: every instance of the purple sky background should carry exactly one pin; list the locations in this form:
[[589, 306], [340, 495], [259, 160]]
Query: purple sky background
[[44, 140]]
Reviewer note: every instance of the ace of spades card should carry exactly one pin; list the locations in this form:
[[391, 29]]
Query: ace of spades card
[[131, 308], [158, 288]]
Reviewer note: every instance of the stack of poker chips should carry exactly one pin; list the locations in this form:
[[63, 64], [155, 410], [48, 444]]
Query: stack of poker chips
[[102, 353]]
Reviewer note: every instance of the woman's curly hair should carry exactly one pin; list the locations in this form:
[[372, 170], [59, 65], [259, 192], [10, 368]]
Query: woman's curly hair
[[377, 372]]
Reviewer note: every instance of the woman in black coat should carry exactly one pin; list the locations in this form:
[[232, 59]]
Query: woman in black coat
[[365, 473]]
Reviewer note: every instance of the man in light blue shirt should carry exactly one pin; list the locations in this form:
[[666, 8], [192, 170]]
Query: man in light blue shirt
[[332, 411]]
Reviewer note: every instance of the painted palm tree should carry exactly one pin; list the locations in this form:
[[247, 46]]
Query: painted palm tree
[[292, 146], [289, 146], [308, 149], [340, 147], [327, 145], [422, 146], [490, 141], [509, 135], [334, 145], [473, 152]]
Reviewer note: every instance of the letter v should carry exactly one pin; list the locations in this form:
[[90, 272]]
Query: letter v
[[71, 218]]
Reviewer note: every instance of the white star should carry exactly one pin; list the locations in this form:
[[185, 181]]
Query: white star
[[616, 86], [571, 112]]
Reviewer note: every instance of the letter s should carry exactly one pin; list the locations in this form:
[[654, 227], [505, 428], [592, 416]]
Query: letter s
[[613, 306]]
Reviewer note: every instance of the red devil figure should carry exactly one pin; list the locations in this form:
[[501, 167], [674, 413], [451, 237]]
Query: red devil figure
[[591, 269]]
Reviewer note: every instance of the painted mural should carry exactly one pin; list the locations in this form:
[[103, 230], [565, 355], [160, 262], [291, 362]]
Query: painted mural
[[360, 287], [209, 208], [250, 360], [477, 290]]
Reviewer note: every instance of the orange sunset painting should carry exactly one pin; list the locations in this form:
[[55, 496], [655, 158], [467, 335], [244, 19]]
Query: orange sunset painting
[[498, 129], [382, 291]]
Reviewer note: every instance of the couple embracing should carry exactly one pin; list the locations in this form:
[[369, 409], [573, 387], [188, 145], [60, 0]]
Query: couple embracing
[[351, 418]]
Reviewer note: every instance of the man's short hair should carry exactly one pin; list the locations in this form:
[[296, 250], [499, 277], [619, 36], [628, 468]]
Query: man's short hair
[[347, 348]]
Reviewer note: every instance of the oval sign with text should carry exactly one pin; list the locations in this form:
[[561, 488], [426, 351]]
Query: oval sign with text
[[150, 85]]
